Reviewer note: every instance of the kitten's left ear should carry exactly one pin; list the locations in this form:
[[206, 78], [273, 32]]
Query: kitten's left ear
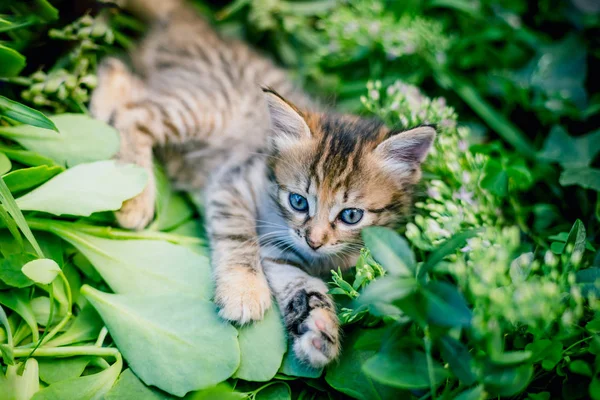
[[287, 124], [405, 151]]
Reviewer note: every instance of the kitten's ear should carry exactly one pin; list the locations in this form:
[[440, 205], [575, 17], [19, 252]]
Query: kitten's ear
[[287, 124], [405, 151]]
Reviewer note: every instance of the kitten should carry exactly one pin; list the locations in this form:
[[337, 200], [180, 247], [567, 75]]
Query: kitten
[[286, 189]]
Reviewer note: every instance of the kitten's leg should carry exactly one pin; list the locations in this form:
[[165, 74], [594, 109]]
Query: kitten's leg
[[231, 202], [117, 86], [308, 312]]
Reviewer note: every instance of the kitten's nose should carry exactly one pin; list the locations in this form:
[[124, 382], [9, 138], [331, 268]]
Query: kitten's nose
[[313, 245]]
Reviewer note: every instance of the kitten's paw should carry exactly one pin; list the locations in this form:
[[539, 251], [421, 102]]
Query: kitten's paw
[[243, 295], [316, 337], [138, 212]]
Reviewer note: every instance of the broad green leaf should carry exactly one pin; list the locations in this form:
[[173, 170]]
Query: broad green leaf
[[130, 387], [390, 250], [144, 266], [570, 151], [292, 366], [181, 333], [11, 62], [445, 305], [85, 327], [98, 186], [277, 391], [507, 381], [43, 270], [81, 139], [54, 370], [262, 346], [20, 385], [346, 375], [458, 357], [172, 208], [89, 387], [5, 164], [403, 369], [549, 352], [495, 178], [18, 301], [25, 115], [42, 307], [10, 270], [27, 178], [588, 178], [450, 246]]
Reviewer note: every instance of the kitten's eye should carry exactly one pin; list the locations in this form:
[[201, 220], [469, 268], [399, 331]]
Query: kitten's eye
[[298, 203], [351, 216]]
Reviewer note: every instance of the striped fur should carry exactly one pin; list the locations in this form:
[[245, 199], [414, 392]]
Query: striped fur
[[196, 99]]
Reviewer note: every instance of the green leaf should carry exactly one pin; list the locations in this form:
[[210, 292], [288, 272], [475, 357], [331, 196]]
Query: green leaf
[[495, 178], [547, 351], [89, 387], [570, 151], [27, 178], [10, 204], [446, 306], [385, 291], [98, 186], [277, 391], [10, 270], [390, 250], [222, 391], [44, 10], [510, 357], [11, 225], [43, 270], [403, 368], [292, 366], [476, 393], [81, 139], [25, 115], [144, 266], [450, 246], [262, 346], [587, 178], [346, 375], [6, 324], [18, 301], [85, 327], [11, 62], [20, 383], [5, 164], [130, 387], [27, 157], [580, 367], [54, 370], [576, 241], [507, 381], [175, 342], [457, 356]]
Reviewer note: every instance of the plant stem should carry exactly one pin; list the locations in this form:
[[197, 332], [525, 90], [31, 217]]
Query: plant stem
[[68, 351], [427, 341], [60, 227], [101, 336]]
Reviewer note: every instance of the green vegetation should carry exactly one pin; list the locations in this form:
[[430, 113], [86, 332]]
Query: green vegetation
[[490, 290]]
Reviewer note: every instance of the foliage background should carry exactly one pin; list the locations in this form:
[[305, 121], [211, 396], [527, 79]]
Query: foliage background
[[493, 292]]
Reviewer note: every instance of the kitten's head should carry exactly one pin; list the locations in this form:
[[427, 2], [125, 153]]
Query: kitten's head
[[336, 174]]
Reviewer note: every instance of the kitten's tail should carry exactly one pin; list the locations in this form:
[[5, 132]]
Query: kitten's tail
[[151, 10]]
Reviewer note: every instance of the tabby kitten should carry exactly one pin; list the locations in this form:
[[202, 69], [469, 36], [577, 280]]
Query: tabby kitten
[[286, 189]]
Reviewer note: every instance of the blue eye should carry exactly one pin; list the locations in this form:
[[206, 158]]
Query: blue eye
[[351, 216], [298, 203]]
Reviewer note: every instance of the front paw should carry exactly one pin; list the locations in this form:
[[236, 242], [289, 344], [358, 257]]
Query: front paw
[[242, 295], [138, 212], [315, 331]]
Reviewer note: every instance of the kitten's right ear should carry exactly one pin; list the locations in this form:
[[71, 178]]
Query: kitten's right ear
[[287, 125]]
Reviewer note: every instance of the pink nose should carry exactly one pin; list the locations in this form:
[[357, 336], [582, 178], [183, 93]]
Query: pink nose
[[313, 244]]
